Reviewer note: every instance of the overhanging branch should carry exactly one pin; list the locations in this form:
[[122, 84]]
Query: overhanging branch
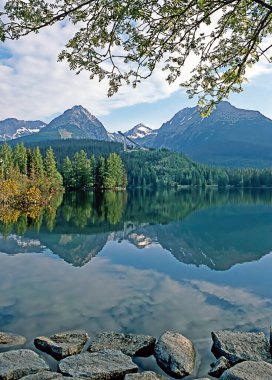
[[264, 4]]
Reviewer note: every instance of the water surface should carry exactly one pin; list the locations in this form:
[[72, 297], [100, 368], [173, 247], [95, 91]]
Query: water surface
[[140, 262]]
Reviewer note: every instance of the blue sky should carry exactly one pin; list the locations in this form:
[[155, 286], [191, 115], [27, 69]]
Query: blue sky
[[33, 85]]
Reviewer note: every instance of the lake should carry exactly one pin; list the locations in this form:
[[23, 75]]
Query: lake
[[192, 261]]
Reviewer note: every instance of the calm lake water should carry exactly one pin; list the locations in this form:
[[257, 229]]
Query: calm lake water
[[141, 262]]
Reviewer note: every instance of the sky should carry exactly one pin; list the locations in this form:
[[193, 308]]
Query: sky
[[33, 85]]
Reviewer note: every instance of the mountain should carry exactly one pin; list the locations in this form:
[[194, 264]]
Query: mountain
[[142, 134], [229, 136], [139, 131], [12, 128], [74, 123]]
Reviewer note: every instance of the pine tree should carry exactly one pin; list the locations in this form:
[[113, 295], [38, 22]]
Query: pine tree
[[68, 173], [100, 173], [37, 162], [20, 158], [51, 171], [82, 169], [6, 161], [115, 176]]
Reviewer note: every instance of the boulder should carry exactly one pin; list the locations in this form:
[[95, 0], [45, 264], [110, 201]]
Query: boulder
[[129, 344], [18, 363], [8, 340], [240, 346], [63, 344], [219, 366], [249, 370], [46, 375], [175, 354], [101, 365], [147, 375]]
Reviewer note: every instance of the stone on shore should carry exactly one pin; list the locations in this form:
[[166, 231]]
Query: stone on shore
[[175, 354], [129, 344], [8, 340], [147, 375], [240, 346], [219, 366], [18, 363], [249, 370], [102, 365], [46, 375], [63, 344]]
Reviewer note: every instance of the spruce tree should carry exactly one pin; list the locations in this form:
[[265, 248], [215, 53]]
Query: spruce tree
[[20, 158], [38, 165], [51, 170], [6, 162], [100, 173], [115, 176], [83, 171], [68, 174]]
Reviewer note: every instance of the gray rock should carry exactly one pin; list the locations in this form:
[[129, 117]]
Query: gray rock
[[18, 363], [219, 366], [249, 370], [239, 346], [147, 375], [175, 354], [129, 344], [11, 340], [102, 365], [63, 344], [46, 375]]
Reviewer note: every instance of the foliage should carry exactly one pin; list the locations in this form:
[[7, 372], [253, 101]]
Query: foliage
[[68, 148], [115, 176], [22, 177], [124, 41], [160, 168], [83, 173]]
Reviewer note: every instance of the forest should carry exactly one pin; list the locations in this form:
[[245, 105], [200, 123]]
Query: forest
[[156, 168], [29, 178], [32, 175], [26, 177]]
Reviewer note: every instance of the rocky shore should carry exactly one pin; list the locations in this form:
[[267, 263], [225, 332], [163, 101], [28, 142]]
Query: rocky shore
[[109, 356]]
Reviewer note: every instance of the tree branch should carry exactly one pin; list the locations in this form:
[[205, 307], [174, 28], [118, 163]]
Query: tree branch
[[264, 4]]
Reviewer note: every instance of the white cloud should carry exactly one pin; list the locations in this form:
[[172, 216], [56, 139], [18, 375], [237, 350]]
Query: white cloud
[[34, 85]]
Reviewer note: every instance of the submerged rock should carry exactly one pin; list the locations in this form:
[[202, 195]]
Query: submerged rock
[[147, 375], [249, 370], [46, 375], [219, 366], [240, 346], [175, 354], [63, 344], [102, 365], [11, 340], [18, 363], [129, 344]]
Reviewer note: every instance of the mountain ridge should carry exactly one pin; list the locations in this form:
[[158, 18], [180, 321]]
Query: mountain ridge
[[12, 128], [230, 136]]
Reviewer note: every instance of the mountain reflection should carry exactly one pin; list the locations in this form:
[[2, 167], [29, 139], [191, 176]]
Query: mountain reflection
[[201, 227]]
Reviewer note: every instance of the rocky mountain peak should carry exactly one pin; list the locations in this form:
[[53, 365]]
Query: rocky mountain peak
[[139, 131], [78, 122], [227, 113], [13, 128], [80, 112]]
